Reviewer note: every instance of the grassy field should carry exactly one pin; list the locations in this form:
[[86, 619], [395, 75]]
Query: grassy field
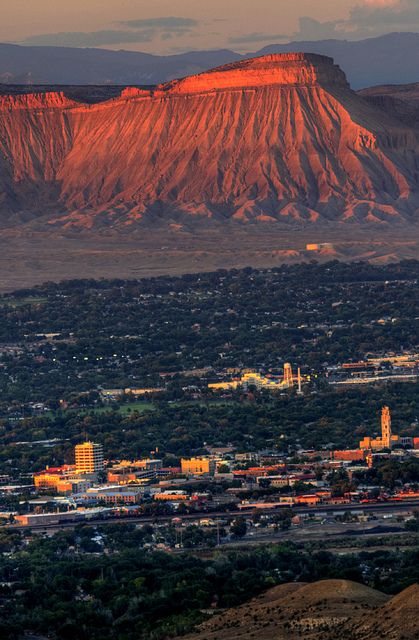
[[143, 406], [139, 407], [21, 302], [124, 409]]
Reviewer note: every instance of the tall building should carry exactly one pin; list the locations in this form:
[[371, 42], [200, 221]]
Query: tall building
[[89, 457], [288, 377], [386, 427], [387, 439]]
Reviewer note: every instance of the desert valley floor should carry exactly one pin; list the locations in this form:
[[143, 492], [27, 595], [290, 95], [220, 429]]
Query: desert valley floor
[[34, 257]]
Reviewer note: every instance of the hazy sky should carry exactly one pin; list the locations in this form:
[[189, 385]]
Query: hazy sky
[[171, 26]]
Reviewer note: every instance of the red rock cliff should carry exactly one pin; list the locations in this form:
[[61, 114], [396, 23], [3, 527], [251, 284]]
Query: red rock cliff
[[273, 138]]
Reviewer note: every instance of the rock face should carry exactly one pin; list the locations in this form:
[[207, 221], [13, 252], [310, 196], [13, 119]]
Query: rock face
[[48, 100], [401, 100], [287, 69], [281, 137]]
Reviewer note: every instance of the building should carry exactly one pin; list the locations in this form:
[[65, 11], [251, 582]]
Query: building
[[68, 486], [43, 519], [63, 480], [224, 386], [275, 481], [89, 457], [406, 441], [349, 454], [387, 439], [73, 478], [113, 494], [198, 466], [114, 497], [145, 464], [316, 246], [143, 391], [171, 496], [260, 381], [288, 377], [307, 499], [116, 394], [50, 478], [134, 471], [111, 394]]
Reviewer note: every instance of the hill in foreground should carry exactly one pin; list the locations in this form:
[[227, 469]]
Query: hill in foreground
[[324, 610]]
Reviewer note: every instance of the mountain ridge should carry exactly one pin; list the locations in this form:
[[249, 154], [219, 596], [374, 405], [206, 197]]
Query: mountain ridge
[[146, 180], [381, 60], [275, 138]]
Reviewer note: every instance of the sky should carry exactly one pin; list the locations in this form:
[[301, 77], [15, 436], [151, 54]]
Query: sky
[[175, 26]]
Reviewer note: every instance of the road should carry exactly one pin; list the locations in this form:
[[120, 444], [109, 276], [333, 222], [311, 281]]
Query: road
[[380, 507]]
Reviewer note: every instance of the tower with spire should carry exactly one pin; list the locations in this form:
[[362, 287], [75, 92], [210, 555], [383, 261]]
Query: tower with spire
[[386, 427], [387, 439]]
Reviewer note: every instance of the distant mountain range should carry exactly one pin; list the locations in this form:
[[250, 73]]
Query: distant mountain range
[[389, 59]]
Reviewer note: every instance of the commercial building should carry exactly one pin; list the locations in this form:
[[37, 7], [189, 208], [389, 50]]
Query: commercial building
[[125, 476], [349, 454], [42, 519], [288, 480], [73, 478], [116, 497], [198, 466], [49, 478], [307, 499], [89, 457], [127, 471], [144, 464], [171, 496], [113, 494], [63, 480]]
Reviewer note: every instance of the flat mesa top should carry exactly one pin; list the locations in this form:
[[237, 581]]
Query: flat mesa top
[[283, 69], [293, 69], [276, 59]]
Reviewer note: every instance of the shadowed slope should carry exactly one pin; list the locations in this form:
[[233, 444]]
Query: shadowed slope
[[396, 620], [400, 100]]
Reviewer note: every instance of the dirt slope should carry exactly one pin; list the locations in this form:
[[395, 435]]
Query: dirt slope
[[325, 610], [396, 620]]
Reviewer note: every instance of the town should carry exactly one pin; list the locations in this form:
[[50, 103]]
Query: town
[[236, 423], [209, 320], [224, 486], [226, 432]]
